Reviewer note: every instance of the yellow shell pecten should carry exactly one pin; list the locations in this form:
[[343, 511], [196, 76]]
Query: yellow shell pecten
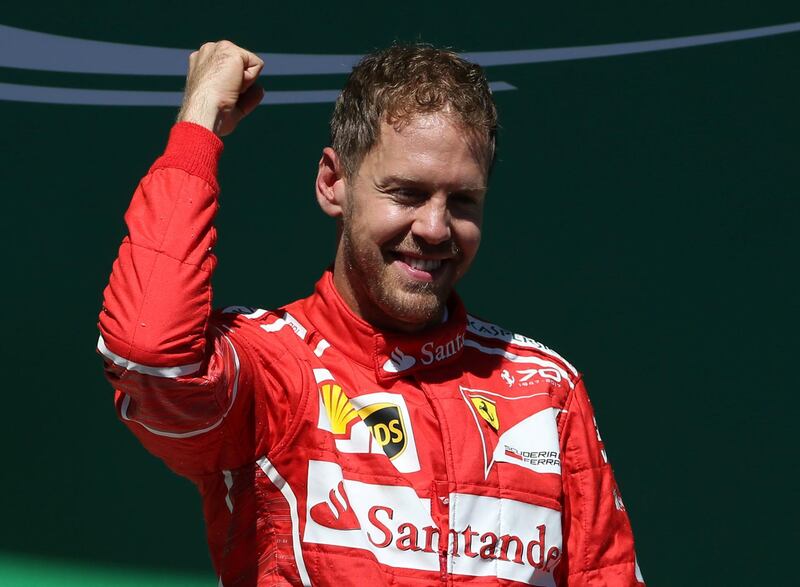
[[337, 405]]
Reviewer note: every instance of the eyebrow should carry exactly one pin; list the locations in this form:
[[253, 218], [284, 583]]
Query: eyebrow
[[413, 181]]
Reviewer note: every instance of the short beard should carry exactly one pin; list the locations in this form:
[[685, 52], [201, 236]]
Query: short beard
[[420, 303]]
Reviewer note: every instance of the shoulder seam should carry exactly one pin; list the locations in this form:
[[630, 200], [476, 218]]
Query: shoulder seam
[[491, 331]]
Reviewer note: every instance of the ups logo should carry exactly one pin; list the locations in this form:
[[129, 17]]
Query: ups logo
[[383, 419], [376, 423], [385, 422]]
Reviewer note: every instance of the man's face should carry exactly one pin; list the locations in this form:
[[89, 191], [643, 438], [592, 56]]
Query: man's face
[[411, 223]]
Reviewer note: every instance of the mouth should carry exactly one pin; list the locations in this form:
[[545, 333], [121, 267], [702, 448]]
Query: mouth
[[420, 268]]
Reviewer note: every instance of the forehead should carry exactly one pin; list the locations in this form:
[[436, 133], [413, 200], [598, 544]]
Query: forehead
[[426, 144]]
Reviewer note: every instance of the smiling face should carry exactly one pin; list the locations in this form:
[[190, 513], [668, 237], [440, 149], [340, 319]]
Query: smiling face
[[411, 222]]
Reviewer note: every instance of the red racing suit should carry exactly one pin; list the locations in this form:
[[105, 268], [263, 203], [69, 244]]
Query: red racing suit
[[328, 452]]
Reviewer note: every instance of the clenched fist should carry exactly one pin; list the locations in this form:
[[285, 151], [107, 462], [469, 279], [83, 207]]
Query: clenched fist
[[220, 86]]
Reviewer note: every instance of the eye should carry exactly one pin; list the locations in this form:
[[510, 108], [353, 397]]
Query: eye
[[463, 199], [409, 194], [466, 205]]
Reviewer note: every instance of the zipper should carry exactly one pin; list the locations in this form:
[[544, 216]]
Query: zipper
[[441, 489], [440, 512]]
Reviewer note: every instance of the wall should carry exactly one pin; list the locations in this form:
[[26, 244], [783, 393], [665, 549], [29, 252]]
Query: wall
[[641, 220]]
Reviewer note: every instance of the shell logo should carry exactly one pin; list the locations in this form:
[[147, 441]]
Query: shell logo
[[340, 411]]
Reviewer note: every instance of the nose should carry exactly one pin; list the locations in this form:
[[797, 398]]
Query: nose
[[432, 221]]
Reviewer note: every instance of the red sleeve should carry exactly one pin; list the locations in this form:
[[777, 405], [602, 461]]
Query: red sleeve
[[158, 300], [176, 377], [598, 539]]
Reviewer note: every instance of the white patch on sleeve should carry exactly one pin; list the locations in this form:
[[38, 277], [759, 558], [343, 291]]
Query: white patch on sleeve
[[167, 372], [234, 392]]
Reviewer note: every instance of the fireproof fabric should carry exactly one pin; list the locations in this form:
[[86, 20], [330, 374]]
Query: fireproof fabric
[[328, 452]]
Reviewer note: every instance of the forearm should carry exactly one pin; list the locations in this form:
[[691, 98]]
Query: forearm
[[158, 300]]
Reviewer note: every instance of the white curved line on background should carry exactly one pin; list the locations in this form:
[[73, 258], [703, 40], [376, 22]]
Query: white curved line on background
[[89, 97], [493, 58], [24, 49]]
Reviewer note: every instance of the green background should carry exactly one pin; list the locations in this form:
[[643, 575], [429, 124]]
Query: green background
[[642, 219]]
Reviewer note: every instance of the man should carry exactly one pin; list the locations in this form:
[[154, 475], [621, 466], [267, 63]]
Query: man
[[373, 432]]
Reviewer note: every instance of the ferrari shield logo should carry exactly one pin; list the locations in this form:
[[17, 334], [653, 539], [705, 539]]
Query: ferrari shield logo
[[487, 410], [385, 422]]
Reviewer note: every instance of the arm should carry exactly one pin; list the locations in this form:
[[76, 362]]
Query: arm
[[174, 375], [598, 539]]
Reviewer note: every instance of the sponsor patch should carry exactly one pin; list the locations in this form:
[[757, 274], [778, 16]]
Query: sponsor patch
[[338, 408], [524, 431], [385, 422], [373, 423], [427, 354], [336, 513], [487, 537], [398, 362]]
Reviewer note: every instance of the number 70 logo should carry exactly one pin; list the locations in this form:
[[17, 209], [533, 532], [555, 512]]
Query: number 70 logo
[[545, 373]]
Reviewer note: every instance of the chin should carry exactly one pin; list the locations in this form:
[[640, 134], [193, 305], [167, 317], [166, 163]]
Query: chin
[[388, 297], [419, 308]]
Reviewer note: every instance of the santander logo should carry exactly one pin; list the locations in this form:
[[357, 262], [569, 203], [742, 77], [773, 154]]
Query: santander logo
[[430, 352], [398, 362], [483, 536], [343, 518], [465, 541]]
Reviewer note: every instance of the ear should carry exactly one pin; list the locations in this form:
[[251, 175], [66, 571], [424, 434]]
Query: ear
[[330, 184]]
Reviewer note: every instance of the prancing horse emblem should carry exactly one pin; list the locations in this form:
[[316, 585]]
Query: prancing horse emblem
[[487, 410]]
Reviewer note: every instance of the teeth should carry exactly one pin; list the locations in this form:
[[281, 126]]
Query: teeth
[[423, 264]]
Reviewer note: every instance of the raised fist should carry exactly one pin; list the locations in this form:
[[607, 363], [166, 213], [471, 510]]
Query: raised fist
[[220, 86]]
